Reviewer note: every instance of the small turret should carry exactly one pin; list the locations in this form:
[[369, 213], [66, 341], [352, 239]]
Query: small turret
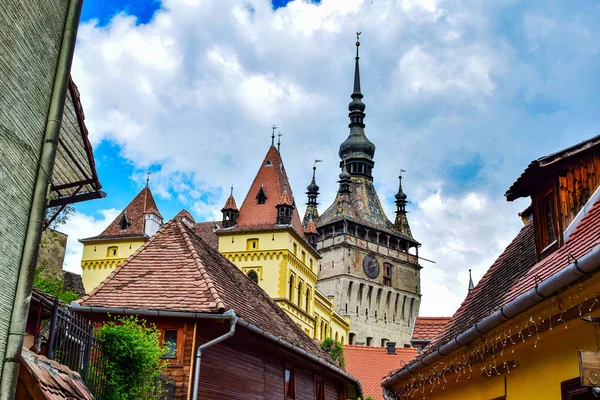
[[401, 201], [230, 212], [285, 208], [344, 180], [311, 234]]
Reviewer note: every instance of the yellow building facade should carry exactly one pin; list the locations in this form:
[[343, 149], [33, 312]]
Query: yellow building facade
[[103, 253], [267, 241]]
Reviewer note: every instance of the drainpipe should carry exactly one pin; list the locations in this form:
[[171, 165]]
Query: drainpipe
[[10, 367], [232, 321]]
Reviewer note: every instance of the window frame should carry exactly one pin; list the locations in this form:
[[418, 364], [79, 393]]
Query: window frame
[[319, 390], [179, 344], [546, 205], [289, 390]]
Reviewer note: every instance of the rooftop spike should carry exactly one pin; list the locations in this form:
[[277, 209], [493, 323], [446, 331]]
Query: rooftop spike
[[273, 135], [471, 285], [356, 69]]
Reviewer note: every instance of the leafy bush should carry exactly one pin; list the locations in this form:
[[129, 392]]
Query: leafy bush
[[335, 350], [52, 285], [133, 358]]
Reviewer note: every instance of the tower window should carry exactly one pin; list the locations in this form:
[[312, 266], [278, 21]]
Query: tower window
[[387, 274], [252, 244], [261, 197], [253, 276], [112, 251]]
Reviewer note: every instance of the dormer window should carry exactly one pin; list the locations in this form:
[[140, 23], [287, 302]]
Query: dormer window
[[268, 163], [546, 223], [123, 222], [261, 197]]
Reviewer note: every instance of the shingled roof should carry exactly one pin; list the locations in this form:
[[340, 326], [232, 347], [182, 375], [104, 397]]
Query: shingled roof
[[141, 204], [429, 328], [206, 230], [363, 207], [176, 270], [273, 180], [371, 364], [516, 272]]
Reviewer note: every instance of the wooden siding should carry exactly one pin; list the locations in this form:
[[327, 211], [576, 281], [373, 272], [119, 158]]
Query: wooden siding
[[573, 182], [243, 367], [30, 39]]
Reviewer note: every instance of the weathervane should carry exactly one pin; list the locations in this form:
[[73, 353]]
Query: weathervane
[[279, 135], [148, 177]]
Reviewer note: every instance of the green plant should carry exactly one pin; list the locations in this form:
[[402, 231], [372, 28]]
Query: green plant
[[335, 350], [133, 358], [52, 285], [369, 398]]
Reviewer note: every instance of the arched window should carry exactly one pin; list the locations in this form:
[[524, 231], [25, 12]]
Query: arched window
[[253, 276], [291, 288], [307, 302], [403, 307], [411, 311], [350, 292], [299, 299]]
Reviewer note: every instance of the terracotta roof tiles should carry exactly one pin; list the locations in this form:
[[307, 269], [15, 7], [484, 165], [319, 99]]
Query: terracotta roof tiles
[[311, 228], [273, 179], [54, 380], [371, 364], [230, 204], [206, 230], [176, 270], [429, 328], [141, 204]]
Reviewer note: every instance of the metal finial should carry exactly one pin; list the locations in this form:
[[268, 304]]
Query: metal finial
[[279, 135], [273, 135], [148, 178], [315, 166], [231, 194]]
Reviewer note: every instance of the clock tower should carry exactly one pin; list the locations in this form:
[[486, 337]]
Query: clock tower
[[370, 265]]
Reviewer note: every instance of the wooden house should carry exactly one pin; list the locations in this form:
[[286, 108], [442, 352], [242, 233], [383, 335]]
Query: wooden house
[[194, 295], [520, 331]]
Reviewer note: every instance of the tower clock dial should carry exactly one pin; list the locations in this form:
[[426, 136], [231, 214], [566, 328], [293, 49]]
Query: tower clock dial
[[371, 266]]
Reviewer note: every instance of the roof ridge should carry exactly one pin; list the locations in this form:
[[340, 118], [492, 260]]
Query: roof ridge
[[125, 262], [209, 281]]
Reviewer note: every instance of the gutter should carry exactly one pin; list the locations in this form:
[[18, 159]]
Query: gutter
[[10, 364], [587, 264], [230, 315]]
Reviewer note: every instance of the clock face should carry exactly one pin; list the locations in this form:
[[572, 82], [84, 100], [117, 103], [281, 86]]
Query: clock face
[[371, 267]]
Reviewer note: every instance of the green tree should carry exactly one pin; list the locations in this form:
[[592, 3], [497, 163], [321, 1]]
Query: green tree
[[133, 355], [335, 350], [52, 285]]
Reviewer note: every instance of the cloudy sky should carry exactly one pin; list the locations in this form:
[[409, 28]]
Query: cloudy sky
[[460, 94]]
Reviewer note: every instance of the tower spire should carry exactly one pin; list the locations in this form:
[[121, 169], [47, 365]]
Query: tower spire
[[273, 135], [401, 197]]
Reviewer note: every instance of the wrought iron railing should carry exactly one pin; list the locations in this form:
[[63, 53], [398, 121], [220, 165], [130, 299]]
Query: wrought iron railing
[[71, 342]]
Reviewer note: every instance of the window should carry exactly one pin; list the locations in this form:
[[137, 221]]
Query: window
[[547, 225], [252, 244], [387, 274], [295, 249], [369, 341], [112, 251], [253, 276], [291, 287], [261, 197], [351, 338], [319, 388], [303, 258], [170, 342], [307, 302], [268, 163], [311, 264], [299, 298], [289, 383]]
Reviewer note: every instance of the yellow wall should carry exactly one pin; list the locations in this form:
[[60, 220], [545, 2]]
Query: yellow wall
[[543, 363], [275, 256], [98, 262]]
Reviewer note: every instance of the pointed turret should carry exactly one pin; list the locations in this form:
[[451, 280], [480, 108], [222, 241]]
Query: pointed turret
[[312, 192], [230, 212], [357, 149], [311, 233], [140, 218], [401, 219], [345, 180], [269, 194]]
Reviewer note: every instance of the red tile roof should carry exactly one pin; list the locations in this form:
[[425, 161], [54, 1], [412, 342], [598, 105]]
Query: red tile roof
[[230, 204], [311, 228], [142, 204], [429, 328], [185, 214], [54, 381], [371, 364], [176, 270], [273, 178], [206, 230], [516, 272]]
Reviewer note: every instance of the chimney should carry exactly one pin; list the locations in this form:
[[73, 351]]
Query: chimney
[[391, 347]]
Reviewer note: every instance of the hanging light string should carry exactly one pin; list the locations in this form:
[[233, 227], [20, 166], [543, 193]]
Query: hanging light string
[[490, 351]]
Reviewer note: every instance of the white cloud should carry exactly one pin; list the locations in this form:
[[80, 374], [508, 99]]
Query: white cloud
[[196, 89], [81, 226]]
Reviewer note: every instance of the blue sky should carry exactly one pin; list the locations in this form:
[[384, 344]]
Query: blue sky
[[462, 95]]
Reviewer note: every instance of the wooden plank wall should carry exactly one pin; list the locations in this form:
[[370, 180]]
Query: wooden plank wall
[[576, 185], [30, 39]]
